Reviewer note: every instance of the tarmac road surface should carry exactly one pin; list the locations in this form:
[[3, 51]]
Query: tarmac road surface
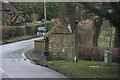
[[15, 66]]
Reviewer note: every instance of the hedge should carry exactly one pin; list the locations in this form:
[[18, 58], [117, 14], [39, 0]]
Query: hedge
[[9, 32], [96, 53], [32, 29]]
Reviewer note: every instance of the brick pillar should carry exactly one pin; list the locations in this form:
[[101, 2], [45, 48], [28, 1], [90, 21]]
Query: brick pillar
[[39, 45]]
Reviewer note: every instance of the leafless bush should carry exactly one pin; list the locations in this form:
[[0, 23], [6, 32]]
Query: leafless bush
[[96, 53], [9, 32], [85, 32]]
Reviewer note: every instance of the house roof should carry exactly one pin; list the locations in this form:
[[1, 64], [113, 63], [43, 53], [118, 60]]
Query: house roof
[[5, 1], [58, 29], [8, 6]]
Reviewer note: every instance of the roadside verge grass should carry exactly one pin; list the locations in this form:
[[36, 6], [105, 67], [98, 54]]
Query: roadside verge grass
[[84, 69], [15, 39]]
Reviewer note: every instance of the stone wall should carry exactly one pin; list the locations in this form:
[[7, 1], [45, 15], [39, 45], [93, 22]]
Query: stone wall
[[60, 46]]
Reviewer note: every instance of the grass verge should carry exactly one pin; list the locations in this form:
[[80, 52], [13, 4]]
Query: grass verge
[[15, 39], [84, 69]]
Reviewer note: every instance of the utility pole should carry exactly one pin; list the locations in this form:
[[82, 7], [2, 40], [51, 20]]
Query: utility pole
[[75, 33], [81, 14], [45, 11], [45, 17]]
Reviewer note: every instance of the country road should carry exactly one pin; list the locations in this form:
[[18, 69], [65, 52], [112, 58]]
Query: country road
[[15, 66]]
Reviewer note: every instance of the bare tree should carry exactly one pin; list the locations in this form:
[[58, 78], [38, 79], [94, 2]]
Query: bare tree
[[97, 27]]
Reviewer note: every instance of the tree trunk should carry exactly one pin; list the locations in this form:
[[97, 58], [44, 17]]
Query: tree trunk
[[117, 37], [97, 27], [62, 13], [110, 42], [71, 14], [95, 38]]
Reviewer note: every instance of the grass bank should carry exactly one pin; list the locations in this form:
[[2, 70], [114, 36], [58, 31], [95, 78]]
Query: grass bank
[[15, 39], [84, 69]]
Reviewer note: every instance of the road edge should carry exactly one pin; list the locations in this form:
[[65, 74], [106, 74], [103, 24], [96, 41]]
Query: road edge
[[28, 57]]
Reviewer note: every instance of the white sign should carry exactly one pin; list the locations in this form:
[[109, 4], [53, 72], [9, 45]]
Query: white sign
[[63, 50]]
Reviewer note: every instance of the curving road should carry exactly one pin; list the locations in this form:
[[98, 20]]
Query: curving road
[[15, 66]]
